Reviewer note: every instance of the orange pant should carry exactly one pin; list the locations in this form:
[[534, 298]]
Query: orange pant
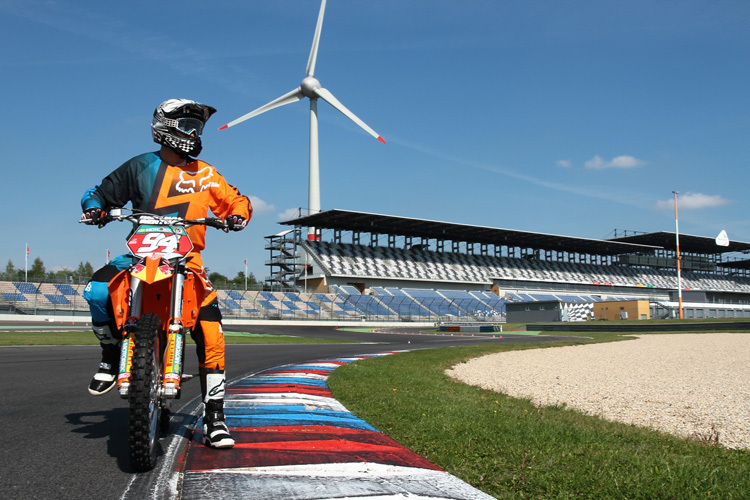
[[209, 336]]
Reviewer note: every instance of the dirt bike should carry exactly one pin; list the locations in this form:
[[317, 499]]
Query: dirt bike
[[155, 303]]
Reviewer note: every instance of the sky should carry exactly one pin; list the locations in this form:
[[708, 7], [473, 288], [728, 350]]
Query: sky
[[574, 118]]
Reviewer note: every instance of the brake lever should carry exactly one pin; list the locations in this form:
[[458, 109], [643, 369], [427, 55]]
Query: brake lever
[[213, 222], [103, 221]]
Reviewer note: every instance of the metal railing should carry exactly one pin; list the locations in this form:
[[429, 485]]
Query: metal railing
[[67, 300], [42, 298], [301, 306]]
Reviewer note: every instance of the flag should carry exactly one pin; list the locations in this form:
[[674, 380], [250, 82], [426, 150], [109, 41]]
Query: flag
[[107, 256], [27, 249], [245, 262]]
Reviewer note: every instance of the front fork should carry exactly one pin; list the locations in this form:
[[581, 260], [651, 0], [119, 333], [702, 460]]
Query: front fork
[[173, 354], [175, 337]]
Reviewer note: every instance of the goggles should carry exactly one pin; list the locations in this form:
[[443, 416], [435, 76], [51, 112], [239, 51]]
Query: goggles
[[188, 125]]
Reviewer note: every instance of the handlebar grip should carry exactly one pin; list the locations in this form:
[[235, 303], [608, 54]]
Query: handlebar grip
[[101, 222], [217, 223]]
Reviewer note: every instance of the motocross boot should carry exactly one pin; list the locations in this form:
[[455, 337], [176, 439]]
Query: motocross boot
[[105, 378], [215, 431]]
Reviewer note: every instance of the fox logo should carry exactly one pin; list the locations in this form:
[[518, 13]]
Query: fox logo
[[189, 181]]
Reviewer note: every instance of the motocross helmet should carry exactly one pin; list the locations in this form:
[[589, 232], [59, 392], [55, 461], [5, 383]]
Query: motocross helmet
[[178, 124]]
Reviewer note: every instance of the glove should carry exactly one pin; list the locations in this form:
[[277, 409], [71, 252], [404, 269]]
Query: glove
[[92, 215], [236, 222]]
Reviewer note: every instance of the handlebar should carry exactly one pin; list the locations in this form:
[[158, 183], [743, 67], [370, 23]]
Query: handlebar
[[116, 214]]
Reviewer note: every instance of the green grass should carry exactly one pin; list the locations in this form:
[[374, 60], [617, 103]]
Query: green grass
[[511, 449], [47, 338], [9, 338]]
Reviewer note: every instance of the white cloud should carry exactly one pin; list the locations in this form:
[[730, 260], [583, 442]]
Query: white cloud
[[624, 161], [563, 163], [288, 214], [595, 162], [260, 206], [692, 201]]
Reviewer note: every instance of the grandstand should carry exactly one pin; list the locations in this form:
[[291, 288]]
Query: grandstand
[[42, 298], [403, 266]]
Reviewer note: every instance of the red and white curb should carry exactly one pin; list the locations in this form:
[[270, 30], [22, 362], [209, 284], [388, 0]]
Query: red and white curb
[[294, 441]]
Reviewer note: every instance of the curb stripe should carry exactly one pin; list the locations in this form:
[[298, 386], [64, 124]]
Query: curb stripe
[[295, 441]]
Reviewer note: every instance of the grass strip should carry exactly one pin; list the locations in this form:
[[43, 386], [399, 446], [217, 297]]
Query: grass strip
[[17, 338], [511, 449]]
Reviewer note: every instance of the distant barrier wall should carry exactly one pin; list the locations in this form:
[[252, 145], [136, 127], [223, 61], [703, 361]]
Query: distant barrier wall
[[638, 327], [471, 328]]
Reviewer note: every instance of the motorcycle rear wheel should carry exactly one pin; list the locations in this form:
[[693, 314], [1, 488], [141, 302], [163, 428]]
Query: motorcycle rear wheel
[[144, 394]]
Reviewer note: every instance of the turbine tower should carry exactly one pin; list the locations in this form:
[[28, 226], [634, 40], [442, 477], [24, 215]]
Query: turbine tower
[[312, 89]]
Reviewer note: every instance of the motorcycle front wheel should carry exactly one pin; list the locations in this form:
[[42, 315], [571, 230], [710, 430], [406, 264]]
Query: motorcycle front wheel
[[144, 394]]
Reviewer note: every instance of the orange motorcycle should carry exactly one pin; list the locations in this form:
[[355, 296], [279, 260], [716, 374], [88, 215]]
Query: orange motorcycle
[[155, 303]]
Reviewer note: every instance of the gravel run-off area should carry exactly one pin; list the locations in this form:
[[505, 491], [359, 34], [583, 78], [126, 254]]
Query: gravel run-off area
[[690, 385]]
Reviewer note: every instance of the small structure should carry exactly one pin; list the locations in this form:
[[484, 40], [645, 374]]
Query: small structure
[[622, 309], [548, 310]]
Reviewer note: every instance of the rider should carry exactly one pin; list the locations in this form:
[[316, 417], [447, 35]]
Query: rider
[[169, 182]]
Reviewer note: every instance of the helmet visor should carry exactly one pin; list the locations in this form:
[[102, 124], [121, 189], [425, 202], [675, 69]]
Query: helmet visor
[[188, 125], [192, 127]]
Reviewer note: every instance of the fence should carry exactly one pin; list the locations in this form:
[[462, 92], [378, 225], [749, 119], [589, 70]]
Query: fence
[[42, 298], [67, 300], [319, 306]]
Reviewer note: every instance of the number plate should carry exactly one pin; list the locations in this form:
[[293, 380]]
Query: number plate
[[164, 241]]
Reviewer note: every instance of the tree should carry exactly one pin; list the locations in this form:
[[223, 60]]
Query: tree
[[84, 272], [251, 279], [217, 279], [37, 271], [60, 276], [239, 280], [10, 270]]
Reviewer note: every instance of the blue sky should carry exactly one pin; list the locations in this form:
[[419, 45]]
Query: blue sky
[[573, 118]]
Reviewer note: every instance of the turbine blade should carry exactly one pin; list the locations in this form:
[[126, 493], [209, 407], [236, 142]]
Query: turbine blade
[[330, 99], [288, 98], [310, 71]]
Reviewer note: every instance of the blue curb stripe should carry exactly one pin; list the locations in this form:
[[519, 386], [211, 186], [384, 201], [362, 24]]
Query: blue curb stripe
[[279, 380], [278, 419], [304, 367]]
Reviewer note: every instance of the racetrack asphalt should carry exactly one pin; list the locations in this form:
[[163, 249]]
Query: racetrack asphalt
[[75, 445]]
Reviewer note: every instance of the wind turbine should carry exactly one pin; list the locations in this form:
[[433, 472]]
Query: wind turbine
[[312, 89]]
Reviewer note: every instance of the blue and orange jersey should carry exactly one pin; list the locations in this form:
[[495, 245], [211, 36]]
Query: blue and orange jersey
[[153, 186]]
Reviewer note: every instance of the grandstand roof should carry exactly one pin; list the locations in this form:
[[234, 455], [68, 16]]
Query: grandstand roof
[[346, 220], [688, 243]]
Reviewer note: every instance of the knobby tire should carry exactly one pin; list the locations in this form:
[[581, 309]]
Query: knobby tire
[[144, 394]]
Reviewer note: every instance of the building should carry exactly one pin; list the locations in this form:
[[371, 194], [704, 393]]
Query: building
[[625, 309]]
